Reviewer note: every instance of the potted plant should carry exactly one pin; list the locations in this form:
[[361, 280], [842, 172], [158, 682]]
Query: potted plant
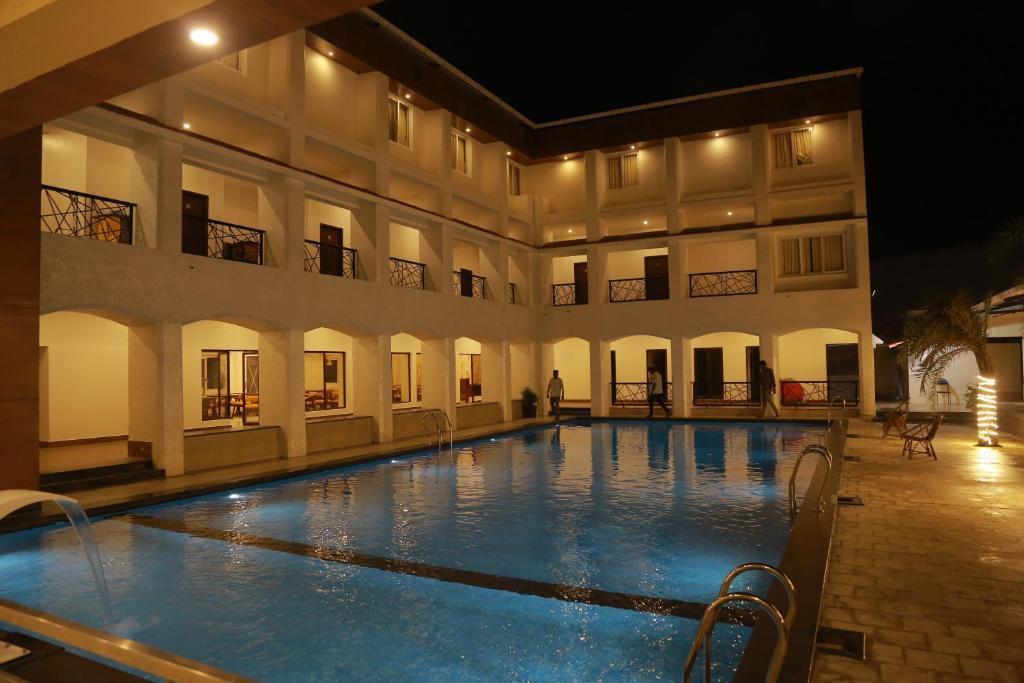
[[529, 397]]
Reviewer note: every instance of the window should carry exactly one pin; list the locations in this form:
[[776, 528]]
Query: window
[[622, 171], [399, 127], [514, 171], [469, 377], [325, 380], [461, 154], [818, 254], [793, 148], [234, 61], [400, 377]]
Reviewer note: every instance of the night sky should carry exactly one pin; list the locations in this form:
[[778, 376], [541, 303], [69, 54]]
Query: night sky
[[943, 94]]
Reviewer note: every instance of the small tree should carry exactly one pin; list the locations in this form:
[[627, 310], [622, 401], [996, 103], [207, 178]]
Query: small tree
[[937, 336]]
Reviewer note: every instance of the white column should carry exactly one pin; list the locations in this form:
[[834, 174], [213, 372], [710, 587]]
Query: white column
[[283, 386], [436, 245], [682, 376], [678, 278], [282, 215], [155, 185], [600, 378], [371, 368], [866, 365], [593, 194], [496, 375], [155, 389], [673, 176], [444, 169], [759, 139], [765, 250], [768, 349], [439, 384], [597, 278], [543, 364], [295, 97], [860, 198]]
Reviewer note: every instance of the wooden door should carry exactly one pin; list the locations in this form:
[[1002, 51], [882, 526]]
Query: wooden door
[[656, 276], [579, 277], [195, 211], [331, 242], [708, 373], [466, 282], [1006, 365]]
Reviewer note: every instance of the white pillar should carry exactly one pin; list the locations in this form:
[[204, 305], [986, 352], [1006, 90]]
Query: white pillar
[[371, 238], [597, 278], [436, 247], [682, 376], [282, 215], [155, 390], [678, 278], [295, 97], [594, 194], [765, 263], [155, 185], [371, 368], [496, 375], [439, 383], [673, 177], [283, 386], [543, 364], [444, 169], [600, 377], [860, 200], [768, 349], [866, 365], [759, 139]]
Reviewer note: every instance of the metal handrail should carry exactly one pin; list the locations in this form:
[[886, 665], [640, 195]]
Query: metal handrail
[[405, 273], [768, 569], [707, 625], [635, 289], [824, 452], [478, 286], [436, 414], [828, 414], [723, 283], [80, 214], [313, 259]]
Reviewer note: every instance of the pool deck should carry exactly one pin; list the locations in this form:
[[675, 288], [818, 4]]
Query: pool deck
[[932, 567]]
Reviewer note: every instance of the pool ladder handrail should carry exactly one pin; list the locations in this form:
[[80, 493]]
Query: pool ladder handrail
[[436, 414], [710, 618], [824, 452], [828, 412]]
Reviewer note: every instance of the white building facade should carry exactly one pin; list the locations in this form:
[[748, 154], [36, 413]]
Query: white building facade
[[290, 239]]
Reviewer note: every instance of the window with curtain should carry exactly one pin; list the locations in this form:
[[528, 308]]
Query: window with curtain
[[325, 380], [791, 256], [622, 171], [810, 255], [514, 188], [793, 148], [399, 116], [460, 154]]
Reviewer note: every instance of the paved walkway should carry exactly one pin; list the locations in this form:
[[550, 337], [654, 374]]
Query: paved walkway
[[932, 568]]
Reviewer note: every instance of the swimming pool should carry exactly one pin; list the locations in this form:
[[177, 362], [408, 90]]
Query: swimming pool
[[574, 552]]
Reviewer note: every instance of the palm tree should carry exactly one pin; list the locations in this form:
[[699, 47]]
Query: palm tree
[[939, 335]]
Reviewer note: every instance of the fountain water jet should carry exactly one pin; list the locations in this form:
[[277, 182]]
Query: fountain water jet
[[15, 499]]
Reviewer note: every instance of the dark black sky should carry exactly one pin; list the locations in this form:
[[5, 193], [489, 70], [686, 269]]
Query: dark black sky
[[943, 92]]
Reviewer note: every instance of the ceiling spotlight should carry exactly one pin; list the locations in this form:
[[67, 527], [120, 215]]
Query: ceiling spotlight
[[508, 154], [646, 222], [570, 231], [565, 157], [467, 130], [330, 53], [186, 125], [204, 37], [408, 95], [807, 121], [728, 213], [632, 146], [717, 134]]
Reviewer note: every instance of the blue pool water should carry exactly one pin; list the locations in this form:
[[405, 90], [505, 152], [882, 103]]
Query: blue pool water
[[262, 581]]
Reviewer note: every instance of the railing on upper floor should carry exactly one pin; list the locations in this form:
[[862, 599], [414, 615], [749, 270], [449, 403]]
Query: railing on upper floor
[[233, 242], [724, 283], [464, 283], [726, 394], [635, 393], [91, 216], [512, 295], [330, 259], [409, 274], [799, 393], [638, 289], [568, 294]]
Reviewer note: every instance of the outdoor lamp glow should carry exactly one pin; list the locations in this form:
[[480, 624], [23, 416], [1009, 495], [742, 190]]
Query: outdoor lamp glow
[[988, 429]]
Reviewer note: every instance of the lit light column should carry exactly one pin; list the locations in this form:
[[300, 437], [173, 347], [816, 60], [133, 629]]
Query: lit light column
[[986, 408]]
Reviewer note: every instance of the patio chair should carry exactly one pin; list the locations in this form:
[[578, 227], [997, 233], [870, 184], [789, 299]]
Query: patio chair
[[918, 439], [896, 421]]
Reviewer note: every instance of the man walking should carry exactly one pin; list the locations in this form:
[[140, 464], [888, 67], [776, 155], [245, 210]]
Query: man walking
[[655, 392], [556, 392], [767, 381]]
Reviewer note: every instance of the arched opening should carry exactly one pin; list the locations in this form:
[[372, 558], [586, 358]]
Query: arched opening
[[571, 357], [328, 373], [221, 375], [817, 366], [725, 370], [630, 358]]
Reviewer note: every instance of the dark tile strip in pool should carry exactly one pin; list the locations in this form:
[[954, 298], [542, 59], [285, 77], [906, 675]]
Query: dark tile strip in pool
[[580, 594]]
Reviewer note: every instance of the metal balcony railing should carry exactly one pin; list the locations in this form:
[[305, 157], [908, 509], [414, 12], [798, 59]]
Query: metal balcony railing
[[817, 392], [233, 242], [568, 294], [512, 295], [66, 212], [330, 259], [724, 283], [638, 289], [727, 394], [469, 285], [408, 274], [635, 393]]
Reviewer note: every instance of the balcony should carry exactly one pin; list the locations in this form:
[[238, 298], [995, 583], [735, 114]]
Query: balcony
[[464, 283], [217, 239], [66, 212], [638, 289], [635, 393], [330, 259], [568, 294], [727, 394], [724, 283], [409, 274], [801, 393]]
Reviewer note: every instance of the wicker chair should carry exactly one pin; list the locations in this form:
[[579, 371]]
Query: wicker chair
[[918, 439], [896, 421]]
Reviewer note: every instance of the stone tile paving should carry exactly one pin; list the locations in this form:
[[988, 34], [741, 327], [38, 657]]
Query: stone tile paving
[[932, 568]]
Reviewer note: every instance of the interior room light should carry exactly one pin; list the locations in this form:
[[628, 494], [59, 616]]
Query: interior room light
[[728, 213], [204, 37], [186, 125]]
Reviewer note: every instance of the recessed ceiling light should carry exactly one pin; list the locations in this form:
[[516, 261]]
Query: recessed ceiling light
[[408, 95], [508, 154], [728, 213], [632, 146], [467, 130], [717, 134], [646, 222], [570, 231], [330, 53], [807, 121], [204, 37], [565, 157], [186, 125]]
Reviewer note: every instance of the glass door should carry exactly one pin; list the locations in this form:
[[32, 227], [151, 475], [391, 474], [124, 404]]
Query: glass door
[[250, 388]]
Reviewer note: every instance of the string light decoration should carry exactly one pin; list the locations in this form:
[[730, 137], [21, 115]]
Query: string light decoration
[[988, 429]]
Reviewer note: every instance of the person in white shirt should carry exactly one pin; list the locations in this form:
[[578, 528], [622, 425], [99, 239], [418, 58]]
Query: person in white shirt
[[655, 392], [556, 392]]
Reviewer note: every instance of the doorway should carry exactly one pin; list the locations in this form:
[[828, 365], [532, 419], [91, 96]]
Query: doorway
[[708, 373], [579, 277], [331, 242], [754, 372], [1005, 353], [195, 212], [656, 277], [842, 368], [250, 388]]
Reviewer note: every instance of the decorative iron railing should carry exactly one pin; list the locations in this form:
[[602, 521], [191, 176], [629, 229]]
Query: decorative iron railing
[[66, 212], [817, 392], [330, 259], [725, 283], [512, 297], [408, 274], [635, 393], [234, 242], [475, 286], [568, 294], [638, 289], [726, 394]]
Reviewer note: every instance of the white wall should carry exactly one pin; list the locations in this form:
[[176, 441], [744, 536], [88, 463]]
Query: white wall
[[324, 339], [713, 257], [210, 335], [717, 164], [631, 357], [734, 352], [561, 183], [405, 243], [232, 200], [86, 164], [335, 216], [331, 95], [830, 149], [630, 264], [521, 360], [572, 360], [802, 353], [83, 391], [562, 268], [465, 255]]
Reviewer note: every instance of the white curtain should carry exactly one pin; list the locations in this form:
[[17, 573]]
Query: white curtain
[[629, 170], [802, 147], [783, 150], [791, 256], [832, 253], [614, 173], [812, 254]]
